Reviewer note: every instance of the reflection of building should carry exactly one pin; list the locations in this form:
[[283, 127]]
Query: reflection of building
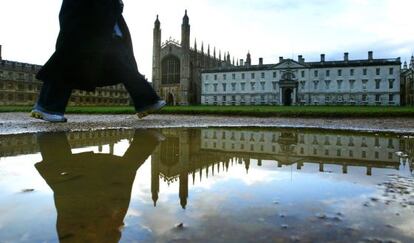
[[292, 147], [343, 82], [11, 145], [176, 66], [302, 146], [407, 148], [187, 154], [407, 83], [18, 86], [198, 153]]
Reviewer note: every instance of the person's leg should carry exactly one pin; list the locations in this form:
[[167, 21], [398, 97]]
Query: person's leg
[[141, 92], [53, 98], [120, 66]]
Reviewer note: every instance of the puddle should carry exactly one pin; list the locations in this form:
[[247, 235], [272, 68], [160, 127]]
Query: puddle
[[206, 185]]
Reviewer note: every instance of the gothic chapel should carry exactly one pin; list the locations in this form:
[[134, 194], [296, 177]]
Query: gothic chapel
[[176, 66]]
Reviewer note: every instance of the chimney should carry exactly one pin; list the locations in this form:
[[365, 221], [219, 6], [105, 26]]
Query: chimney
[[370, 55], [0, 54], [241, 62], [346, 56], [261, 61], [300, 58], [322, 57], [280, 59]]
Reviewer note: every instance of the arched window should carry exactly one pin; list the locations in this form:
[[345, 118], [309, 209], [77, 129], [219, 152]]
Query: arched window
[[170, 70]]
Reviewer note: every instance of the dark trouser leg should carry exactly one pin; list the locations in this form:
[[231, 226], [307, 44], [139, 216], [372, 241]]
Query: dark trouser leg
[[142, 146], [141, 92], [54, 147], [53, 98], [120, 66]]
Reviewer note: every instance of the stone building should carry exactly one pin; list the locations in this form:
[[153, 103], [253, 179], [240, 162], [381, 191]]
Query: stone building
[[176, 66], [407, 83], [296, 82], [19, 86]]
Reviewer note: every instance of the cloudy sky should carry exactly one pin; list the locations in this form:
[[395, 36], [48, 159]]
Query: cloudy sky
[[268, 28]]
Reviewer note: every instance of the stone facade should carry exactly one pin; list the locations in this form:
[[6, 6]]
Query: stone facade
[[176, 66], [407, 83], [19, 86], [289, 82]]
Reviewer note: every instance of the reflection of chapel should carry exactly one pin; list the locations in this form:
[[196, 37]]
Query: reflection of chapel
[[176, 66]]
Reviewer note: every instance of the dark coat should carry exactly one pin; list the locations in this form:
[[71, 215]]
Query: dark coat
[[85, 38]]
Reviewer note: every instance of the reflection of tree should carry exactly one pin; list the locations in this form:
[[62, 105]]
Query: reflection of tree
[[91, 191]]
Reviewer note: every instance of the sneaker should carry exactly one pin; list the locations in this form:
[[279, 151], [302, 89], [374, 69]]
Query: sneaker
[[47, 116], [151, 109]]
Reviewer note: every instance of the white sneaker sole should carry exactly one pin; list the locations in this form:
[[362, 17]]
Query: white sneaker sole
[[39, 115], [151, 109]]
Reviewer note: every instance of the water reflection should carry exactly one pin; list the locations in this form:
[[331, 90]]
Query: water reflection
[[92, 192], [340, 179], [295, 147], [202, 152]]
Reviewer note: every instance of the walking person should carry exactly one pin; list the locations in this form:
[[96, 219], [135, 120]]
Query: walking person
[[93, 49]]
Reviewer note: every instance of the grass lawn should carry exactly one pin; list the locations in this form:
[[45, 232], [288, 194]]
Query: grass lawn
[[258, 111]]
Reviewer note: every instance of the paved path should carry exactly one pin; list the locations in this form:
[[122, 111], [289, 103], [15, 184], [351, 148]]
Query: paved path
[[13, 123]]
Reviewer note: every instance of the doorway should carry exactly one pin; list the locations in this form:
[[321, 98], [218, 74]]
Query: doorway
[[287, 96], [170, 99]]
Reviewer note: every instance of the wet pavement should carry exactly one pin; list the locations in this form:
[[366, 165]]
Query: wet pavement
[[13, 123], [207, 185]]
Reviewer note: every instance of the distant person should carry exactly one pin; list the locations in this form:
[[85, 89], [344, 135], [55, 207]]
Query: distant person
[[93, 49]]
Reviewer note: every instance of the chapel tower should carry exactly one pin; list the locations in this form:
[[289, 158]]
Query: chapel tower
[[185, 65], [156, 60]]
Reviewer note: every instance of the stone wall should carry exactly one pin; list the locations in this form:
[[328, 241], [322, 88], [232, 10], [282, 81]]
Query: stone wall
[[19, 86]]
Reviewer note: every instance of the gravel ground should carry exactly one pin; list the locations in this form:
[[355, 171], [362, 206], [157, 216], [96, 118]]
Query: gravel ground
[[14, 123]]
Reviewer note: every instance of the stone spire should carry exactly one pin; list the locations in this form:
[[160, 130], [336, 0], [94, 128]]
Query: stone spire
[[157, 23], [228, 58], [185, 32], [156, 63], [185, 74], [183, 189], [195, 45], [208, 50], [412, 62], [405, 66], [186, 20], [248, 59], [202, 47]]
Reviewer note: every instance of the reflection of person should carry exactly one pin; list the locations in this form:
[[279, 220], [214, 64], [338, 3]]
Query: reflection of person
[[91, 191], [93, 49]]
